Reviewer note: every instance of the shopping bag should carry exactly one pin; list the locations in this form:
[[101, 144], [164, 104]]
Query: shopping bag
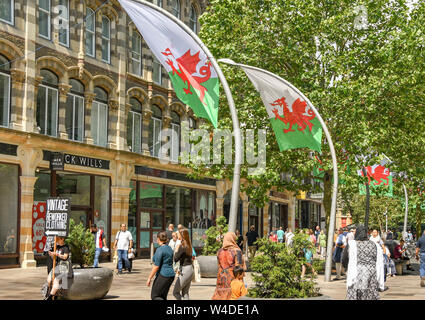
[[197, 271]]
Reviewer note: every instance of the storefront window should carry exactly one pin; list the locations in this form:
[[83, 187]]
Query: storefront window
[[9, 205], [132, 211], [151, 195], [101, 203], [74, 186], [179, 207], [204, 216]]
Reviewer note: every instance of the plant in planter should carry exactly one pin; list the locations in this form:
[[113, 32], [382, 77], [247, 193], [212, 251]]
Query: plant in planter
[[81, 244], [212, 243], [277, 270], [88, 282]]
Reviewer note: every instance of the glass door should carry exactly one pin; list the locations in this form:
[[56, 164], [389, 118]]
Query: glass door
[[80, 216], [151, 222]]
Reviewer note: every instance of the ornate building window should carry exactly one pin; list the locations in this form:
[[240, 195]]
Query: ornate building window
[[157, 71], [99, 118], [74, 114], [175, 8], [106, 39], [158, 3], [193, 19], [134, 126], [47, 104], [175, 136], [7, 8], [136, 54], [90, 32], [155, 126], [4, 91], [44, 24], [63, 20]]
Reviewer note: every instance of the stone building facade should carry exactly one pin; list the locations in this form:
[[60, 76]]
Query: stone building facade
[[78, 81]]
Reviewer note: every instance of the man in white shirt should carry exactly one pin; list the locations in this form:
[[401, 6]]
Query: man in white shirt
[[123, 242]]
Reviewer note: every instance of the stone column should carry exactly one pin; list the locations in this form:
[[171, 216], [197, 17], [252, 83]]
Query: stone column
[[36, 83], [63, 94], [113, 123], [291, 213], [18, 81], [245, 216], [88, 100], [219, 206], [29, 159]]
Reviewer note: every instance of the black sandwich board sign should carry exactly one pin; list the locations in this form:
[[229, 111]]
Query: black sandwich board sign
[[57, 161], [57, 217]]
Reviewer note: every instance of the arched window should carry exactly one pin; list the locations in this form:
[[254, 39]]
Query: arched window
[[106, 39], [4, 91], [90, 32], [136, 54], [99, 118], [74, 113], [175, 8], [44, 15], [175, 136], [47, 103], [7, 9], [192, 126], [134, 126], [155, 126], [193, 19]]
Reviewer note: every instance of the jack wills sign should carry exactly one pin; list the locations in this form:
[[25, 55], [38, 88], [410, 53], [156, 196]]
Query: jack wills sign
[[77, 161]]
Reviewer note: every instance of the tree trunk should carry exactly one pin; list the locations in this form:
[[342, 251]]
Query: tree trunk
[[327, 196], [418, 220]]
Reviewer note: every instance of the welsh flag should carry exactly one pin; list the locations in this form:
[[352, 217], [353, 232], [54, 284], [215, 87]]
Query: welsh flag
[[293, 121], [378, 177], [193, 77]]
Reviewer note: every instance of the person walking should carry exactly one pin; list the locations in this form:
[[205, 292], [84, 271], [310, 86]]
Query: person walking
[[252, 237], [420, 255], [123, 242], [289, 237], [340, 244], [272, 237], [239, 239], [162, 268], [170, 231], [228, 257], [322, 243], [183, 254], [100, 243], [317, 234], [401, 255], [363, 260], [280, 235]]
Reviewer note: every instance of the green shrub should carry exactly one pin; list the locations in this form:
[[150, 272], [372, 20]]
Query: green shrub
[[81, 243], [277, 270], [214, 237]]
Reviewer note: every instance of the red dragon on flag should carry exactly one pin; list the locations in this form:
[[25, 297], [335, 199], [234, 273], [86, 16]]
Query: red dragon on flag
[[379, 173], [187, 65], [298, 116]]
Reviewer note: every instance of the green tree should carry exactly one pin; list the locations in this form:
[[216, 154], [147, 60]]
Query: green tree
[[349, 68], [81, 243]]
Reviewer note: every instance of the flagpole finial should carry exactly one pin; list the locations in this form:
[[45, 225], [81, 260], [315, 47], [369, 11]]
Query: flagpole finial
[[227, 60]]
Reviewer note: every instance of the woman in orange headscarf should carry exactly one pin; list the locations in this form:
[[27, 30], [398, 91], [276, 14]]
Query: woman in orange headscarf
[[229, 256]]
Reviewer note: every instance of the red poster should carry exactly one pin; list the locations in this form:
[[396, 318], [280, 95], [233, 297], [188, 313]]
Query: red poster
[[38, 220]]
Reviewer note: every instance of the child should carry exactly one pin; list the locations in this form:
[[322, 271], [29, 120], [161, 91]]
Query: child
[[237, 285]]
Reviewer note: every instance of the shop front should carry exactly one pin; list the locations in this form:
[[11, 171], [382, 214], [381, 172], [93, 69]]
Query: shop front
[[89, 193], [159, 198], [308, 214], [10, 211], [278, 216]]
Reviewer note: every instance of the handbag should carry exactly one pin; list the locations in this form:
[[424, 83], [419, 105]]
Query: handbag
[[196, 271]]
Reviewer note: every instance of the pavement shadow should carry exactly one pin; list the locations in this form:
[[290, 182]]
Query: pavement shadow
[[107, 297]]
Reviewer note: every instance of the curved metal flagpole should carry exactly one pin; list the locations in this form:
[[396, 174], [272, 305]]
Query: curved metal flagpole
[[406, 210], [328, 267], [236, 130]]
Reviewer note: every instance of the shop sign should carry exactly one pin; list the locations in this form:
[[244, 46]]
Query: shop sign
[[57, 217], [57, 161], [86, 161]]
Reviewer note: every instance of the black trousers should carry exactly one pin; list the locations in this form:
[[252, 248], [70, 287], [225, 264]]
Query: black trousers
[[160, 287]]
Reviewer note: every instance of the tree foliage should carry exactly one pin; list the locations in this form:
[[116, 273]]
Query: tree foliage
[[214, 237]]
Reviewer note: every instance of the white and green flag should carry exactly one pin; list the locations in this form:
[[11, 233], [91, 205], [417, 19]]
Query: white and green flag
[[194, 79]]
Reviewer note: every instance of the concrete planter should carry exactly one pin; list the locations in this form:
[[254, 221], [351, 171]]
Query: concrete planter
[[89, 284], [320, 297], [208, 266]]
